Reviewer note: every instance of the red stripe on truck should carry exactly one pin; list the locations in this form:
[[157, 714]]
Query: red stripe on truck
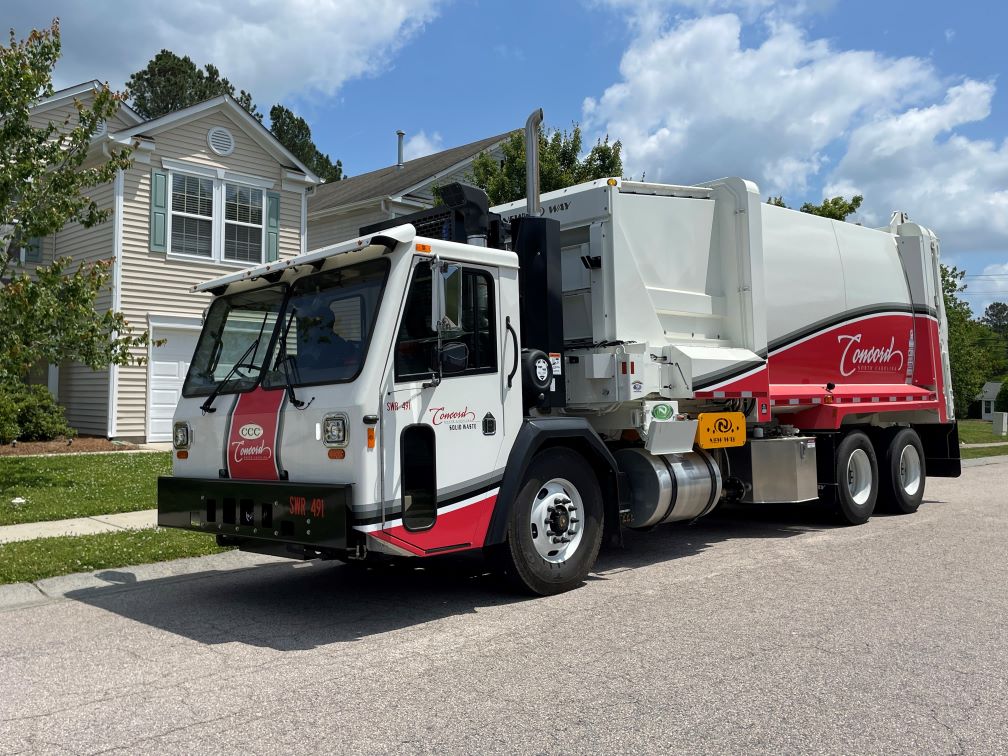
[[252, 439]]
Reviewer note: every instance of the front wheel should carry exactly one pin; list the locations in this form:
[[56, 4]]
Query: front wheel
[[555, 526], [857, 478]]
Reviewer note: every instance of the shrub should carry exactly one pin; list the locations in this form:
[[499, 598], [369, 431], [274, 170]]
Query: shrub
[[1001, 402], [9, 428], [39, 416], [29, 413]]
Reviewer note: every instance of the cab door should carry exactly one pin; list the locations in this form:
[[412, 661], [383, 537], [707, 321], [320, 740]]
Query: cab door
[[443, 435]]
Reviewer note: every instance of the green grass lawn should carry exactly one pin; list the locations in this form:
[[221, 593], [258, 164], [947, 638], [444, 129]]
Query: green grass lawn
[[64, 486], [978, 432], [48, 557], [984, 451]]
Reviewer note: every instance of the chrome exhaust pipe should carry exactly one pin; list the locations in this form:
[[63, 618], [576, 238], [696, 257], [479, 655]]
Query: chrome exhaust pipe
[[532, 163]]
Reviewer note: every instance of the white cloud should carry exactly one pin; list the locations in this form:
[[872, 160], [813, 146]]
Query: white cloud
[[273, 50], [695, 104], [796, 113], [989, 286], [421, 145], [916, 161]]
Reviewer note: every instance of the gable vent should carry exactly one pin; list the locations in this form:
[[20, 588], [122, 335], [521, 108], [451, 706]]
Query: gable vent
[[221, 140]]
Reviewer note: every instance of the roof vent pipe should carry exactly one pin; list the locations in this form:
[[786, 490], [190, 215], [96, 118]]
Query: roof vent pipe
[[400, 133], [532, 162]]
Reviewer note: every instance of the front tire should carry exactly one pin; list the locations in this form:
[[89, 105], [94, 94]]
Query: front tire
[[555, 525], [903, 473], [857, 478]]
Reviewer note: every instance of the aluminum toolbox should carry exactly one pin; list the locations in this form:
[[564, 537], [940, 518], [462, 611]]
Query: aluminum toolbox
[[778, 469]]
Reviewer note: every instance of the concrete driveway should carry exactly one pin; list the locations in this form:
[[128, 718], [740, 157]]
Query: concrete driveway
[[756, 630]]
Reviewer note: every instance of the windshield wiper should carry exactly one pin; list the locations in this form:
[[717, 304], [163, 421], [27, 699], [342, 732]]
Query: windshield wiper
[[207, 406], [283, 359]]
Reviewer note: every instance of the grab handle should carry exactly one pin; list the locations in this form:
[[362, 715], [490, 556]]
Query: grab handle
[[514, 337]]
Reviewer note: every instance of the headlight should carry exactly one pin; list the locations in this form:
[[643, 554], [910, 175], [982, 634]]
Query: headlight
[[181, 436], [334, 430]]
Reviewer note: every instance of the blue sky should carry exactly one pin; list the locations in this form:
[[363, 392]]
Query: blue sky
[[900, 101]]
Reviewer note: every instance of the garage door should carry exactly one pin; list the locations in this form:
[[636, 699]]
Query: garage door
[[168, 366]]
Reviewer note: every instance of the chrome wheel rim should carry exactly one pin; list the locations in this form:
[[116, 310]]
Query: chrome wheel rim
[[910, 470], [555, 520], [859, 477]]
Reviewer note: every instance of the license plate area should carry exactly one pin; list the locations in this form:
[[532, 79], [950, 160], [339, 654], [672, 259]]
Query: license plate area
[[309, 513]]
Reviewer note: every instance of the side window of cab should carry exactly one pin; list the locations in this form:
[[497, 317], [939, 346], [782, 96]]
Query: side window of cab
[[416, 342]]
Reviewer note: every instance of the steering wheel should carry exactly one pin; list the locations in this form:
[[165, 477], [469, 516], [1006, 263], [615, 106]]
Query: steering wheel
[[246, 366]]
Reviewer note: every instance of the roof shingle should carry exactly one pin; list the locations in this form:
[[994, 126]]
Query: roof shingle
[[392, 180]]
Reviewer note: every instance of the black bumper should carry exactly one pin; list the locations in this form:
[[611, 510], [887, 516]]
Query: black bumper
[[312, 514]]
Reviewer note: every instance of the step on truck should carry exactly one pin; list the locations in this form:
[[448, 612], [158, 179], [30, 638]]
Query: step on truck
[[531, 379]]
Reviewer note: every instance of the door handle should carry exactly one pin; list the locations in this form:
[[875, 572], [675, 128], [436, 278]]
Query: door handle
[[514, 338]]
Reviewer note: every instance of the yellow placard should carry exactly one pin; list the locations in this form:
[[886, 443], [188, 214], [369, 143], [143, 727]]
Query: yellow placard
[[720, 429]]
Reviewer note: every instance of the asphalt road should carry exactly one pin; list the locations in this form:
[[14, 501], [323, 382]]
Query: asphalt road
[[757, 630]]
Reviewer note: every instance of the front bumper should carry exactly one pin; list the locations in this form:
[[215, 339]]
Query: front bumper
[[312, 514]]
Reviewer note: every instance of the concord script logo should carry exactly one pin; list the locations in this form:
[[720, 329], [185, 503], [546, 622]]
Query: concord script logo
[[868, 359]]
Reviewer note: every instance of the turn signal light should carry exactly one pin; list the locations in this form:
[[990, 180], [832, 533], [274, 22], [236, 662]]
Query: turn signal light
[[337, 453], [370, 438], [182, 454], [423, 248]]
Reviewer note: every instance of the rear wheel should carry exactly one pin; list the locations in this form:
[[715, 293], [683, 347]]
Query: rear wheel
[[903, 473], [857, 478], [555, 526]]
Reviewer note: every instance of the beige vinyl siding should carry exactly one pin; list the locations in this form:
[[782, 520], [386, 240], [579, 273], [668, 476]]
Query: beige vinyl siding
[[83, 392], [88, 245], [333, 229], [158, 284], [58, 113]]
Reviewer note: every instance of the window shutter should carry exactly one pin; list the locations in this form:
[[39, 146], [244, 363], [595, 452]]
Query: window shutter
[[159, 211], [33, 250], [272, 226]]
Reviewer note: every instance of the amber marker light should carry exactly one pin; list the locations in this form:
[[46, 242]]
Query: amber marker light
[[370, 438], [182, 454], [423, 248], [337, 453], [611, 182]]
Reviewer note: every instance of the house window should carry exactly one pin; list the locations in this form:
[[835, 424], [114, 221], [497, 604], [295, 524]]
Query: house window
[[220, 220], [988, 407], [192, 215], [243, 223], [32, 251]]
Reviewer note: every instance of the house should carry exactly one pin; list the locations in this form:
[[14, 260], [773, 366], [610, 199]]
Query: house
[[986, 398], [336, 211], [210, 190]]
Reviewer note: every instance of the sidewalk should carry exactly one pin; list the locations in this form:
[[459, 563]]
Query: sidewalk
[[79, 526]]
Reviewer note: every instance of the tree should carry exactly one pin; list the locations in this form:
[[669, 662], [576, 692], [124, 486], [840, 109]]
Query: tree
[[995, 317], [170, 83], [971, 359], [44, 182], [560, 164], [1001, 401], [836, 208], [294, 133]]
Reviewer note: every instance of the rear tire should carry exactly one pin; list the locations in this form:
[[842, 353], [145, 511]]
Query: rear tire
[[903, 473], [555, 524], [857, 478]]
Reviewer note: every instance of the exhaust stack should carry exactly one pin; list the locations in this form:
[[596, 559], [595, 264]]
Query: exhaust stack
[[400, 133], [532, 162]]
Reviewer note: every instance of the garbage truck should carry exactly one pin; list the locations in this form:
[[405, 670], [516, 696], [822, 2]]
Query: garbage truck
[[529, 380]]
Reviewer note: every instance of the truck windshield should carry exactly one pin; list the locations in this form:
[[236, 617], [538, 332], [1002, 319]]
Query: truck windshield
[[234, 342], [326, 326]]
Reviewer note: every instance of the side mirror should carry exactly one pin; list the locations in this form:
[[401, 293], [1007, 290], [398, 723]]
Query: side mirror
[[446, 298], [454, 357]]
